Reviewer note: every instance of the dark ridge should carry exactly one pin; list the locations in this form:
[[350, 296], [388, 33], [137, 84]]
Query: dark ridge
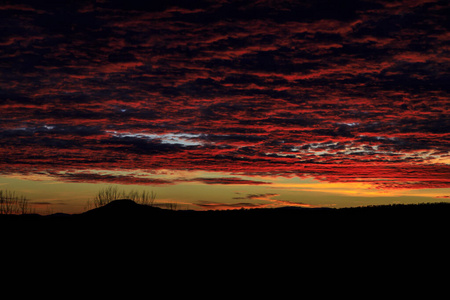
[[326, 221], [122, 208], [129, 218], [126, 208], [313, 238]]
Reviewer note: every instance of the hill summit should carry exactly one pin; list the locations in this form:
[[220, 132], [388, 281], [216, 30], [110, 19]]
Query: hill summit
[[122, 208]]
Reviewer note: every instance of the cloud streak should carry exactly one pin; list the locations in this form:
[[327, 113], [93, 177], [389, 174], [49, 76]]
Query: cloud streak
[[348, 92]]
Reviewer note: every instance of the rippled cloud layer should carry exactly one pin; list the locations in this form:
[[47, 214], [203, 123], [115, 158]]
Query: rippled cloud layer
[[343, 91]]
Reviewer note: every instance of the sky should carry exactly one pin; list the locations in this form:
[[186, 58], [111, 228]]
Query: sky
[[226, 104]]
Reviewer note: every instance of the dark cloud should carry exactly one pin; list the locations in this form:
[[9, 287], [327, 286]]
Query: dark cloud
[[116, 179], [257, 196], [229, 180], [211, 205], [153, 6]]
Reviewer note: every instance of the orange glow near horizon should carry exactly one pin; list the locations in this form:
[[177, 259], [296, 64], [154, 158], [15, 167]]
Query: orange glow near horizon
[[49, 195]]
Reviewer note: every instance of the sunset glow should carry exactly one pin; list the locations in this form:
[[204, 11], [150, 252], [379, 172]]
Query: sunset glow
[[226, 104]]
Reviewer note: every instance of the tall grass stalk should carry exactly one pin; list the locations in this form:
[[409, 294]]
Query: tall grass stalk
[[111, 193]]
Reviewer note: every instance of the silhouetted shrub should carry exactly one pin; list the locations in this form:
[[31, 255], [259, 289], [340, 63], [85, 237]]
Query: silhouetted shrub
[[111, 193], [13, 204]]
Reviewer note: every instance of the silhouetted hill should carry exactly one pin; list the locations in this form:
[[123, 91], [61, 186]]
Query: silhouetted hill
[[123, 208], [269, 243], [388, 222], [131, 211], [244, 242], [125, 219]]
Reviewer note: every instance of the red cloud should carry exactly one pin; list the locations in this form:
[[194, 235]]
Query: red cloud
[[357, 95]]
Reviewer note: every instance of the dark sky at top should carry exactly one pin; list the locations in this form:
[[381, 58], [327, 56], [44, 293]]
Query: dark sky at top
[[338, 90]]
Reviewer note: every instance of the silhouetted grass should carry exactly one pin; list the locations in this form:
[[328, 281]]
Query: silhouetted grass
[[12, 204], [112, 193]]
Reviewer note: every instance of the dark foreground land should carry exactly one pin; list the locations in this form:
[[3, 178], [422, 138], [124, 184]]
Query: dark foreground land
[[369, 246], [126, 218]]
